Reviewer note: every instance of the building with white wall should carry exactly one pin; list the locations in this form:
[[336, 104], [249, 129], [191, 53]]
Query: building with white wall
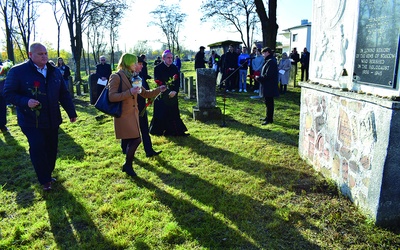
[[297, 37]]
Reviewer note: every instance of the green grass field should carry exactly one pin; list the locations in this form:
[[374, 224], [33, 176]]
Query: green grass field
[[242, 186]]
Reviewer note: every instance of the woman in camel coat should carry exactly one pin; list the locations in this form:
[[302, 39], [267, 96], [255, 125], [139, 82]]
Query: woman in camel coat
[[127, 126]]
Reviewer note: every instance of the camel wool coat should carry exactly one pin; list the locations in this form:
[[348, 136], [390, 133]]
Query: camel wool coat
[[127, 126]]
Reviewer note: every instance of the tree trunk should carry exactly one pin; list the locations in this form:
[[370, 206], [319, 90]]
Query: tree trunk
[[78, 53], [58, 39], [10, 46], [268, 23]]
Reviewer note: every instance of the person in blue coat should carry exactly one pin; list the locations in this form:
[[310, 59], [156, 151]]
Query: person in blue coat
[[269, 81], [178, 63], [37, 89]]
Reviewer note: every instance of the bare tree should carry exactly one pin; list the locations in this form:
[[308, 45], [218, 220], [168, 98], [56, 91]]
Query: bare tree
[[113, 20], [96, 35], [102, 29], [268, 22], [59, 19], [141, 47], [237, 13], [240, 14], [6, 11], [25, 14], [169, 20], [77, 13]]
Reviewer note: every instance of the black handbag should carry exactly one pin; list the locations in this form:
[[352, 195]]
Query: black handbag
[[104, 105]]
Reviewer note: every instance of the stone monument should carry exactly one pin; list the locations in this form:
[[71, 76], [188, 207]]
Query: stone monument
[[206, 96], [350, 123]]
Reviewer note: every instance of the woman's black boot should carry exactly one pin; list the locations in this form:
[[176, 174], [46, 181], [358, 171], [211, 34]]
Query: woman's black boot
[[128, 169]]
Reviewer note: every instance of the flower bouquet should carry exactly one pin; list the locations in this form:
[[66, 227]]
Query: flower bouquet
[[168, 100], [148, 103], [163, 95]]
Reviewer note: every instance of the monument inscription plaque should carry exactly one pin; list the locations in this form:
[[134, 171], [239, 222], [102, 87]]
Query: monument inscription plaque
[[376, 59]]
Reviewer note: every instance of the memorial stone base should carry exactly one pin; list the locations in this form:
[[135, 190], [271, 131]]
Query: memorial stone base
[[353, 139]]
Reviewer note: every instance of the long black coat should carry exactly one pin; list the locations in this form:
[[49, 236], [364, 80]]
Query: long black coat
[[199, 61], [166, 116], [269, 77], [103, 70]]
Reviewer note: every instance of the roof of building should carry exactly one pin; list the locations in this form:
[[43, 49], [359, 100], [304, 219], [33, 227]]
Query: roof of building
[[298, 26], [226, 42]]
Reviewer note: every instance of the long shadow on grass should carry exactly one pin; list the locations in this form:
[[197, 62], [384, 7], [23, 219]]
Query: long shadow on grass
[[234, 220], [266, 132], [219, 155], [206, 228], [70, 223], [288, 178], [291, 97], [288, 104], [68, 148], [16, 171]]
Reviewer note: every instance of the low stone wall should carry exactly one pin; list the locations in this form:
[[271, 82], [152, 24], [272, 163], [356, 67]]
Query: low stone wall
[[354, 139]]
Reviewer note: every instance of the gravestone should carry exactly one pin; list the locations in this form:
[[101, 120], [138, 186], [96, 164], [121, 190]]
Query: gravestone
[[191, 91], [93, 88], [206, 96], [189, 88], [352, 137], [181, 81], [185, 85]]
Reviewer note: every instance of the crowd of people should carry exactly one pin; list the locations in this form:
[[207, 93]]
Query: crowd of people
[[270, 76], [37, 88]]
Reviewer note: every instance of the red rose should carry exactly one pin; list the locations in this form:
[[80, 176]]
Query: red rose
[[36, 84], [159, 83], [149, 102], [176, 77]]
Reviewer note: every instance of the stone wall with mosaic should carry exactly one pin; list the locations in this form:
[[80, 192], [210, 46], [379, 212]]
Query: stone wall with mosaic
[[347, 137]]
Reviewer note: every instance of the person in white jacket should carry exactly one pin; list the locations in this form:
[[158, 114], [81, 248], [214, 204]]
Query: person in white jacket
[[284, 72]]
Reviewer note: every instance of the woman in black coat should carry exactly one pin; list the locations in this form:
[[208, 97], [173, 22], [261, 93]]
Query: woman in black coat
[[269, 81]]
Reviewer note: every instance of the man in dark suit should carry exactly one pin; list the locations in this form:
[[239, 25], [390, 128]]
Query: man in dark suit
[[294, 58], [103, 72], [305, 62], [199, 61], [37, 89], [230, 65]]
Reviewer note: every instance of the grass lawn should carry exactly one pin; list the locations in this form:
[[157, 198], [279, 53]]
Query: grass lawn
[[242, 186]]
